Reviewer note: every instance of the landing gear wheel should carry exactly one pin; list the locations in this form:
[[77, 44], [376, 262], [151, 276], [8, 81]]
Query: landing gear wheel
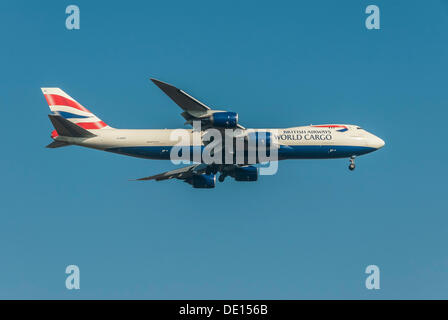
[[352, 166], [221, 178]]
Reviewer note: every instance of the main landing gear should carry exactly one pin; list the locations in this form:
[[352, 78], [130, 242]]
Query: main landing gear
[[352, 166], [222, 177]]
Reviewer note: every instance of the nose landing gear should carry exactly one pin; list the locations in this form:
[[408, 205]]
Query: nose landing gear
[[352, 166]]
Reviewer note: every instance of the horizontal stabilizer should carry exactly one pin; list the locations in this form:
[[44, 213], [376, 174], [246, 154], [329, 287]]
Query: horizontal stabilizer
[[67, 128], [58, 144]]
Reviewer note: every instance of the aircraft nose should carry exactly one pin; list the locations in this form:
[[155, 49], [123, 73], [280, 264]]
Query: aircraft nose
[[377, 143]]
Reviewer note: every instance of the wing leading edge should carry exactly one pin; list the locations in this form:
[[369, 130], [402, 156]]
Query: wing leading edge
[[193, 109], [181, 173], [204, 176]]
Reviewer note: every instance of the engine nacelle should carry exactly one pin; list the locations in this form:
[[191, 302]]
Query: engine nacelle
[[203, 181], [226, 120], [249, 173], [260, 138]]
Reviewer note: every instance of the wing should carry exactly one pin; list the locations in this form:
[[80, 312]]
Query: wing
[[186, 173], [181, 173], [193, 109]]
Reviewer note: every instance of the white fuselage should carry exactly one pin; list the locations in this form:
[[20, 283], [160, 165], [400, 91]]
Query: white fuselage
[[305, 142]]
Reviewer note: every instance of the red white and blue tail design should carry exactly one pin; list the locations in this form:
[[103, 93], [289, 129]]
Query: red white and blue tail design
[[62, 104]]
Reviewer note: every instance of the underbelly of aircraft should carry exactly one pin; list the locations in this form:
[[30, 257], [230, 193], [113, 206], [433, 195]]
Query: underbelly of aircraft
[[284, 152]]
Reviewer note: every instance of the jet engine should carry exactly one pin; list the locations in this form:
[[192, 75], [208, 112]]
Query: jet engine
[[249, 173], [225, 120], [260, 138], [202, 181]]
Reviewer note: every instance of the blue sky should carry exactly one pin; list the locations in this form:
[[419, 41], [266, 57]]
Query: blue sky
[[306, 233]]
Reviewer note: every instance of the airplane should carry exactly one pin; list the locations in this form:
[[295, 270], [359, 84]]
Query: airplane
[[76, 125]]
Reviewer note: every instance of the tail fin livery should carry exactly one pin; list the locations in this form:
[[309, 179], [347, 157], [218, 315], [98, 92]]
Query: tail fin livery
[[65, 106]]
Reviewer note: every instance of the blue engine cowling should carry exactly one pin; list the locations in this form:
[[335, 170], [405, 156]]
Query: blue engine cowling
[[203, 181], [225, 119], [249, 173], [261, 138]]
